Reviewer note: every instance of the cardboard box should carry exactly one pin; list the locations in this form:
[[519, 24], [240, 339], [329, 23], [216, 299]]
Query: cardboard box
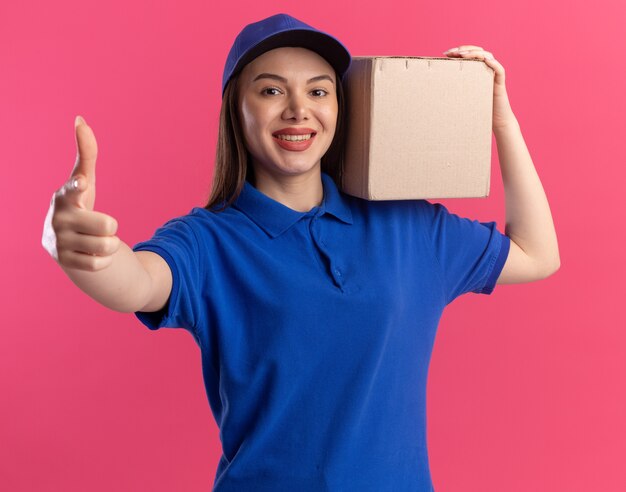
[[418, 127]]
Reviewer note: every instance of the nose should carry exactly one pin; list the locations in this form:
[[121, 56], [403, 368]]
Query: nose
[[297, 107]]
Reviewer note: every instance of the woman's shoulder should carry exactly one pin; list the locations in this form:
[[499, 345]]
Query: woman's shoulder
[[210, 218], [200, 220]]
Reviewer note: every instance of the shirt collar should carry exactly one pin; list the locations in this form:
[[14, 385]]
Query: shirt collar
[[275, 218]]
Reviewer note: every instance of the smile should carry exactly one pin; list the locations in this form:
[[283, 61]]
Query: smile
[[295, 143], [295, 138]]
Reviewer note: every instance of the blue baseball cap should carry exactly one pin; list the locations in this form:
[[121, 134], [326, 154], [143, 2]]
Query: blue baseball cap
[[278, 31]]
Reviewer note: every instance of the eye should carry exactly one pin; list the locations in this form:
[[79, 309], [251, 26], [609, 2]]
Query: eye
[[320, 90], [269, 89]]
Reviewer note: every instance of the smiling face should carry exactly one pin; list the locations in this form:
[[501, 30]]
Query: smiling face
[[287, 88]]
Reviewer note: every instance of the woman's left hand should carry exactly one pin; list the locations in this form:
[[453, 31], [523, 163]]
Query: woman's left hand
[[502, 112]]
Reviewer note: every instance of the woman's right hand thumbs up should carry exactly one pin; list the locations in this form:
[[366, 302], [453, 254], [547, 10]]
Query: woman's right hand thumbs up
[[83, 177], [74, 234]]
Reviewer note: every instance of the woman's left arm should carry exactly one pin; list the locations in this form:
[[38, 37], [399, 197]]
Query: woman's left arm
[[534, 251]]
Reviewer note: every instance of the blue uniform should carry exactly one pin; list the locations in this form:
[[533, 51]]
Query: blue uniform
[[316, 330]]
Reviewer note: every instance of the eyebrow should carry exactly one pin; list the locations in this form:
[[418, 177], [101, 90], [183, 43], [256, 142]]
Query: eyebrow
[[284, 80]]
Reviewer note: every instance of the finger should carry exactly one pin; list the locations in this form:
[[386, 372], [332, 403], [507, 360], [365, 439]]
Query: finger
[[76, 184], [469, 47], [81, 261], [87, 151], [92, 223], [464, 47], [69, 240], [478, 54], [71, 191], [471, 54]]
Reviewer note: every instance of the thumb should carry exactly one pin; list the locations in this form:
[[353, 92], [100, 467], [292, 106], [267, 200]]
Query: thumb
[[85, 166]]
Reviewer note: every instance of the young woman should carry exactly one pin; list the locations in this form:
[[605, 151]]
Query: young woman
[[315, 311]]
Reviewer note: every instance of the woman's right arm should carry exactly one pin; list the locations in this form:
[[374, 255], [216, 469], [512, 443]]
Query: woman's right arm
[[83, 242]]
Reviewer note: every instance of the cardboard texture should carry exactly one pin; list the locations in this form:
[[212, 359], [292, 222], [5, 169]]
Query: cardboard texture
[[418, 127]]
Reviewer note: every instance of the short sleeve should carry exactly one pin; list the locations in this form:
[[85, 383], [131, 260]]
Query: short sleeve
[[471, 254], [176, 243]]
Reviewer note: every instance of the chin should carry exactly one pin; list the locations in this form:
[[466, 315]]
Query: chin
[[296, 170], [291, 169]]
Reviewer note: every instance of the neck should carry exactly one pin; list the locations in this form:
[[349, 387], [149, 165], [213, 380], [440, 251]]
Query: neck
[[300, 192]]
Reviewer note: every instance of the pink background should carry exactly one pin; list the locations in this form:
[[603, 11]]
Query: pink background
[[527, 386]]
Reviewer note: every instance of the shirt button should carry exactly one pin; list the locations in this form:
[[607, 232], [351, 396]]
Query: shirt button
[[338, 273]]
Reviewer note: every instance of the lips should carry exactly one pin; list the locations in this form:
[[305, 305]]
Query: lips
[[299, 139], [294, 131], [294, 145]]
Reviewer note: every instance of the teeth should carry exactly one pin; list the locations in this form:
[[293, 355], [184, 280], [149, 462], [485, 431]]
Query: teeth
[[295, 138]]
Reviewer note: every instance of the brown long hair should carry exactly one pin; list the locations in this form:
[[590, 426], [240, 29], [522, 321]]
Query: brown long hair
[[233, 164]]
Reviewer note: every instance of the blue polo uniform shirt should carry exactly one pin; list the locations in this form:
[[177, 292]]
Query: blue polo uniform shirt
[[316, 330]]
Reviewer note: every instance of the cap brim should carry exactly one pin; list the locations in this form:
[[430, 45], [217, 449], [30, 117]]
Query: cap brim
[[325, 45]]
